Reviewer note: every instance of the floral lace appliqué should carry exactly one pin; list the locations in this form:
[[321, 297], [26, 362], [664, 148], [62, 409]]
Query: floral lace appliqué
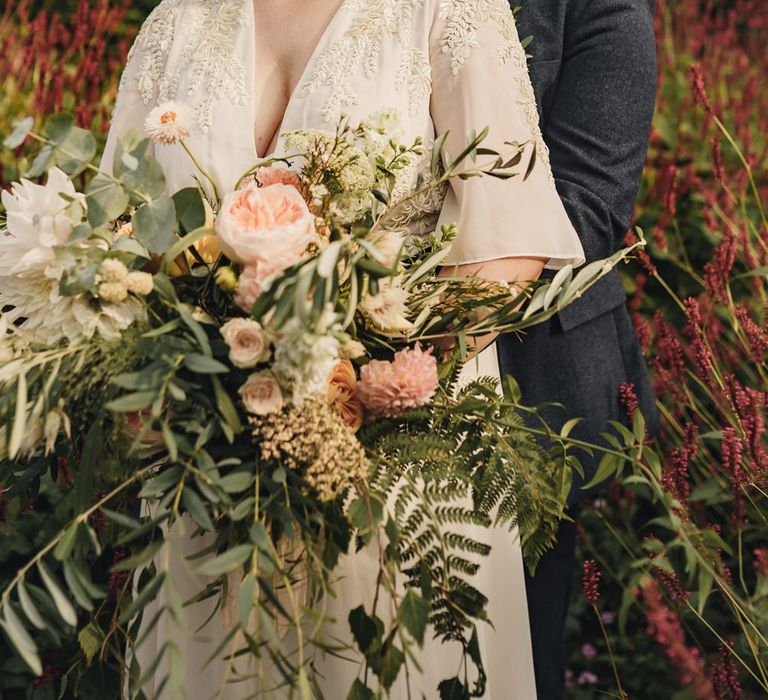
[[207, 60], [415, 77], [462, 20], [374, 21]]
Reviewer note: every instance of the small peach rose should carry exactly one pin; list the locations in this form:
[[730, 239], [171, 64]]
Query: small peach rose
[[275, 175], [261, 393], [261, 224], [247, 340], [253, 281], [342, 394]]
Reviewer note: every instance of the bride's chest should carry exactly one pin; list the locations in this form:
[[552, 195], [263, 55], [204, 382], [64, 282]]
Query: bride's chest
[[350, 57], [285, 36]]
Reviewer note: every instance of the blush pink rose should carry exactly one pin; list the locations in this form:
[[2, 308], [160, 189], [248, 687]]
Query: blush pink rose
[[261, 393], [259, 224], [274, 175], [254, 278], [391, 388]]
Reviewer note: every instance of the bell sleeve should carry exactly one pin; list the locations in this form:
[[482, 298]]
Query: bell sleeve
[[135, 99], [480, 79]]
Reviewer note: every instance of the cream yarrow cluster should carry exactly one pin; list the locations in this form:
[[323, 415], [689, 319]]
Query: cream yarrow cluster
[[313, 440], [117, 282]]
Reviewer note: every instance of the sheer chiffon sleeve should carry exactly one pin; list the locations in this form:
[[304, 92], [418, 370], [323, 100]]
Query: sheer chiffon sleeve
[[134, 101], [480, 79]]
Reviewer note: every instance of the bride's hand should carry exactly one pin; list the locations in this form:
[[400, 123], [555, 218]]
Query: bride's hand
[[515, 271]]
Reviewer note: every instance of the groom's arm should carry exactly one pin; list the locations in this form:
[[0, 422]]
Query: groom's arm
[[598, 121]]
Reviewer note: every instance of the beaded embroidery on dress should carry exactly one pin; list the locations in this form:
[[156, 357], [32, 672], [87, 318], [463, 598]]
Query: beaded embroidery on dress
[[212, 70]]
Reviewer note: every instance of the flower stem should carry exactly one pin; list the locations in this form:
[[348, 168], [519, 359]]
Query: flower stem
[[622, 694], [203, 172]]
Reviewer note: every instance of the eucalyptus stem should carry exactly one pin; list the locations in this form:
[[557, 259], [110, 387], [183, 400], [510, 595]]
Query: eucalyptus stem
[[81, 519]]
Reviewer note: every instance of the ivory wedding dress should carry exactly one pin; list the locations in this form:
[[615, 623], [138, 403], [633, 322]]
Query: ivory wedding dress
[[441, 66]]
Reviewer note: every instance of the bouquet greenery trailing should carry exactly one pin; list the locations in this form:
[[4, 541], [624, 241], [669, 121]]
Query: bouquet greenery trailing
[[262, 370]]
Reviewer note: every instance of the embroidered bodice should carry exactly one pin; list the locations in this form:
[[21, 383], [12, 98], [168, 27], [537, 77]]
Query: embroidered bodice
[[452, 66]]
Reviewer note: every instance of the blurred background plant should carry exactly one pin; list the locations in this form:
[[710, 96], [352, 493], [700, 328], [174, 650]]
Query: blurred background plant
[[684, 552], [63, 56], [680, 543]]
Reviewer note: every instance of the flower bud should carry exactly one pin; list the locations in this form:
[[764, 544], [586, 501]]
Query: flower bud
[[226, 278]]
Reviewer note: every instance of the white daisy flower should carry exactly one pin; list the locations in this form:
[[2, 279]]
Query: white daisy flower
[[169, 122]]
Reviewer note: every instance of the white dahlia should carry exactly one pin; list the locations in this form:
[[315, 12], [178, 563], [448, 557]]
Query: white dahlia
[[40, 217]]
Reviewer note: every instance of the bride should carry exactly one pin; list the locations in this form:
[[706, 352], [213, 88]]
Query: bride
[[256, 69]]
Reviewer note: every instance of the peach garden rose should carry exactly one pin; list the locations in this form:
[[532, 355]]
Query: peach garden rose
[[274, 175], [264, 224], [342, 394]]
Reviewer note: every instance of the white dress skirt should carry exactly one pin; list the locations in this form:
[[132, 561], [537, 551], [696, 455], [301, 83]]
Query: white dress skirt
[[505, 647]]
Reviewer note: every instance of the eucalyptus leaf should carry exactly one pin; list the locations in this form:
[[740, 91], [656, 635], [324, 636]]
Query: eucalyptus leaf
[[20, 417], [76, 152], [67, 543], [76, 588], [64, 607], [106, 198], [190, 210], [226, 562], [42, 162], [245, 599], [21, 130], [205, 365], [197, 509], [154, 224], [136, 401], [28, 606], [146, 595], [58, 128], [19, 637]]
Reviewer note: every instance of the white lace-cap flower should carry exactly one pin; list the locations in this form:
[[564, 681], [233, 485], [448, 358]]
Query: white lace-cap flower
[[169, 122], [305, 358]]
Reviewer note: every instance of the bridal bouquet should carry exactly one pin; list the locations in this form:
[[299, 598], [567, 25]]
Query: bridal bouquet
[[264, 368]]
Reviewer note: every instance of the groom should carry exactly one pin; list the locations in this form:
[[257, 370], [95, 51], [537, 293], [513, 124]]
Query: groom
[[593, 69]]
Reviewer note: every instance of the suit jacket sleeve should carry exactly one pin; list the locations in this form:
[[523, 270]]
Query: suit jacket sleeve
[[598, 121]]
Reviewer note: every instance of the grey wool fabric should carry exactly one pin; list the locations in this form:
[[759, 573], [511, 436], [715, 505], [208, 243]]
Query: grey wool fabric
[[593, 68]]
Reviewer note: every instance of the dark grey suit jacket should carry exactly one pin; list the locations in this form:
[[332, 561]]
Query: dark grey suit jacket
[[593, 68]]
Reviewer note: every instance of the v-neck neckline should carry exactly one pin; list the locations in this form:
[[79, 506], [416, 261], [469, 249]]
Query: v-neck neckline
[[319, 46]]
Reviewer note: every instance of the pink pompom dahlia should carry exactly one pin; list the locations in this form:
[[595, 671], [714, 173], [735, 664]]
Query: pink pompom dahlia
[[391, 388]]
